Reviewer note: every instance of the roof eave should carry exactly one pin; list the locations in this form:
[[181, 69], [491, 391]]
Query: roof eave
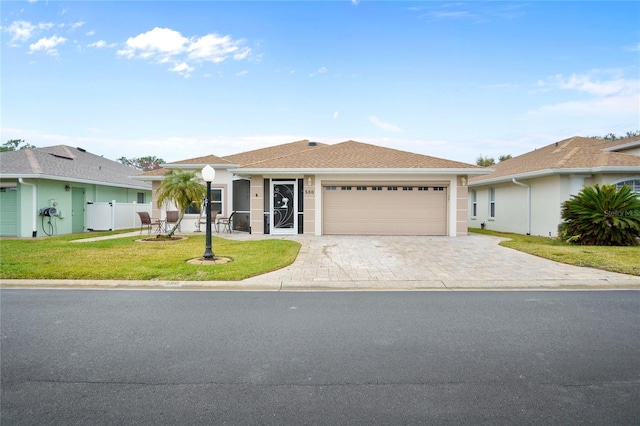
[[326, 171], [198, 166], [623, 147], [67, 179], [550, 172]]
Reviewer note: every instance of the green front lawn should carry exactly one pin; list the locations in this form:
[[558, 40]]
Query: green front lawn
[[126, 259], [616, 259]]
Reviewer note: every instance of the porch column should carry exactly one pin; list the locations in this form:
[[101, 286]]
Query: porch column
[[257, 205]]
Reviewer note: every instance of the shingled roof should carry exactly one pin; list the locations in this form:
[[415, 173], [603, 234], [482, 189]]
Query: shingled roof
[[576, 154], [62, 162], [189, 163], [356, 155], [274, 152]]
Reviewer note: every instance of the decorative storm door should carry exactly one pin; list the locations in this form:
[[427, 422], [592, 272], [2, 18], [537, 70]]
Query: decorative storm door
[[284, 207]]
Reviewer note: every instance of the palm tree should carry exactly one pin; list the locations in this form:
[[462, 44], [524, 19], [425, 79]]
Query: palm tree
[[602, 215], [182, 188]]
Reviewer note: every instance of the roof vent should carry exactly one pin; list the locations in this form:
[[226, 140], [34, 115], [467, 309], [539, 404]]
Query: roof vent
[[81, 149], [313, 144], [64, 157]]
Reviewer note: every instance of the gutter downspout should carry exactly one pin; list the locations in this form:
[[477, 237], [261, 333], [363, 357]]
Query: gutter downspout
[[528, 203], [34, 194]]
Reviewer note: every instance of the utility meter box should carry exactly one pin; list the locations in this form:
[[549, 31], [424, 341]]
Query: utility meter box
[[48, 211]]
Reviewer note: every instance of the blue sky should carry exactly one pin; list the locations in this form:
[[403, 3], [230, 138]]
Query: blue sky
[[450, 79]]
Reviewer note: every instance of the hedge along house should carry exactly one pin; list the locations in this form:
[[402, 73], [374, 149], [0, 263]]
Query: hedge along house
[[349, 188], [524, 194], [65, 179]]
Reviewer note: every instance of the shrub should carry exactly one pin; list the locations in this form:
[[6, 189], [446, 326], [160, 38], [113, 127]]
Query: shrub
[[602, 216]]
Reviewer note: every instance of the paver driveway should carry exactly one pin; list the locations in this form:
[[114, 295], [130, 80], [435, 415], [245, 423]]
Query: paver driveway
[[428, 262]]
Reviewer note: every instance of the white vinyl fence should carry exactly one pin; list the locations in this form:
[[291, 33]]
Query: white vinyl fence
[[113, 216]]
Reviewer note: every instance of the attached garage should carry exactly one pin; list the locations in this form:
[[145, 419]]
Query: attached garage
[[385, 209]]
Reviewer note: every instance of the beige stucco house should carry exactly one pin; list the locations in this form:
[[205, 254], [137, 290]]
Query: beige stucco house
[[524, 194], [349, 188]]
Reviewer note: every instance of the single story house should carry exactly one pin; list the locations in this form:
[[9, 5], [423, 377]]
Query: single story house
[[46, 190], [349, 188], [524, 194]]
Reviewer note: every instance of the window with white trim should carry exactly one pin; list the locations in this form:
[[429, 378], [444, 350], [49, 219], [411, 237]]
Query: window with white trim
[[474, 203], [216, 203], [633, 183], [492, 203]]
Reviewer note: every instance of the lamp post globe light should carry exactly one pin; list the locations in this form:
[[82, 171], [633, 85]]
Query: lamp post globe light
[[208, 174]]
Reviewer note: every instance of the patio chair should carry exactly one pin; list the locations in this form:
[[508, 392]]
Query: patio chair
[[202, 219], [149, 222], [172, 217], [225, 222]]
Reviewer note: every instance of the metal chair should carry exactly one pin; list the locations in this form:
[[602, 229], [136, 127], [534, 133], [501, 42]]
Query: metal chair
[[149, 222], [226, 222], [202, 219]]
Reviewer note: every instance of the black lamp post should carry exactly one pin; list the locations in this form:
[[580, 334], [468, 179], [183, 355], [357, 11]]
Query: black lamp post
[[208, 173]]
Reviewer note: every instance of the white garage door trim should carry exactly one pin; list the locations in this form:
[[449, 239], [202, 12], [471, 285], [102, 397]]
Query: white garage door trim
[[384, 209]]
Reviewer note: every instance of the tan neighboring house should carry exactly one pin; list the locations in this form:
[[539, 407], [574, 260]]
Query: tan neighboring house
[[349, 188], [524, 194]]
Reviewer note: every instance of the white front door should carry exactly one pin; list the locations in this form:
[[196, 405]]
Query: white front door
[[284, 207]]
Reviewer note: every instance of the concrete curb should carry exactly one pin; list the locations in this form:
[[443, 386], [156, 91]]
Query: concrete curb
[[435, 285]]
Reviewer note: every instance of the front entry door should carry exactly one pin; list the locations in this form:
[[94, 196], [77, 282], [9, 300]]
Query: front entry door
[[77, 210], [284, 206]]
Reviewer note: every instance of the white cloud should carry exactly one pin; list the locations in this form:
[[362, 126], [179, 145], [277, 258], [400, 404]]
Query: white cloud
[[47, 44], [590, 83], [215, 48], [610, 93], [90, 33], [384, 126], [335, 115], [183, 69], [76, 25], [452, 15], [100, 44], [22, 31], [164, 45], [159, 42], [242, 73], [321, 70]]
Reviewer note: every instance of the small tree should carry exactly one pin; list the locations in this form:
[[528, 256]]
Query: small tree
[[15, 145], [602, 216], [614, 137], [485, 161], [504, 157], [145, 164], [182, 188]]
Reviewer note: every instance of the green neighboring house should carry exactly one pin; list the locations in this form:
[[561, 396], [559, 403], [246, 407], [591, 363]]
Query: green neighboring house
[[46, 191]]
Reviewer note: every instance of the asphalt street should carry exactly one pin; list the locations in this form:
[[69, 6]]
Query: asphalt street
[[203, 357]]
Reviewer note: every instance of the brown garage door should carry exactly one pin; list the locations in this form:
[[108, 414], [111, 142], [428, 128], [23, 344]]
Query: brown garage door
[[384, 210]]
